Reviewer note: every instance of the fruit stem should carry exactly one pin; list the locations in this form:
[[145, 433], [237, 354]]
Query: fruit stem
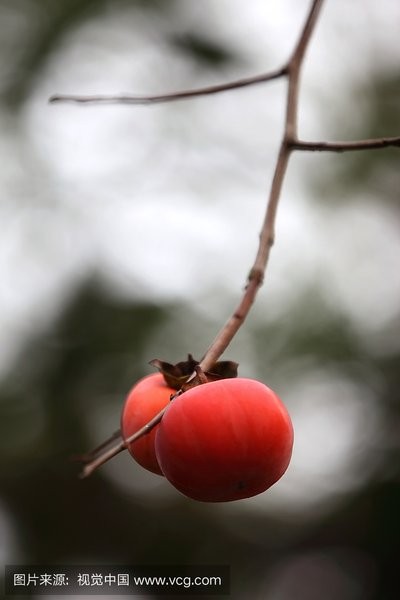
[[201, 376]]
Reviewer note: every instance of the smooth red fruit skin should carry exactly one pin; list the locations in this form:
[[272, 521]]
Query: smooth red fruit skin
[[147, 397], [225, 440]]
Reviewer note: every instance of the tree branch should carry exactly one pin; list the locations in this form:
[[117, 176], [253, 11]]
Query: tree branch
[[267, 235], [171, 96], [346, 146]]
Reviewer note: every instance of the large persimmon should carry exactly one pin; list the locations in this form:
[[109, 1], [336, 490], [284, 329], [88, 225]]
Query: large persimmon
[[224, 440]]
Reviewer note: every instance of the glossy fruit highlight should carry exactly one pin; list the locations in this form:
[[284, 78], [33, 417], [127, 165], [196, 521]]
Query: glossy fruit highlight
[[225, 440], [147, 397]]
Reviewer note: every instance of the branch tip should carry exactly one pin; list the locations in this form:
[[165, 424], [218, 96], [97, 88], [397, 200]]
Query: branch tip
[[350, 146], [170, 96]]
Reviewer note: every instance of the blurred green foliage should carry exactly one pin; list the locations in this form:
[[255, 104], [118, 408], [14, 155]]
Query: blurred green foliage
[[92, 355]]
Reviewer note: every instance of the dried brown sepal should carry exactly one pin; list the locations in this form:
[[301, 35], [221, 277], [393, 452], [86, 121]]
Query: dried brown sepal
[[176, 376], [224, 369]]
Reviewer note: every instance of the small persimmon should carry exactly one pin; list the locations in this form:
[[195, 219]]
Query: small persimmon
[[145, 400]]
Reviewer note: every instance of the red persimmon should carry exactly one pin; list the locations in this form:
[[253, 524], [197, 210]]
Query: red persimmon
[[146, 399], [225, 440]]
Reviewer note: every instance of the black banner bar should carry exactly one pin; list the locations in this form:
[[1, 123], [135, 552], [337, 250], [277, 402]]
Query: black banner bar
[[117, 579]]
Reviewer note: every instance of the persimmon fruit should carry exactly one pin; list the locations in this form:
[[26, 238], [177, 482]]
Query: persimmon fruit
[[224, 440], [146, 399]]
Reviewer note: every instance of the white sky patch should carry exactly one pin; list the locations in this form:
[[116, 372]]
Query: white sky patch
[[182, 187], [141, 192]]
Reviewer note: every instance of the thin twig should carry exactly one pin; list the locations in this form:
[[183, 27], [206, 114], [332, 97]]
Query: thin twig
[[99, 450], [294, 68], [171, 96], [267, 235], [94, 463], [352, 146], [120, 446]]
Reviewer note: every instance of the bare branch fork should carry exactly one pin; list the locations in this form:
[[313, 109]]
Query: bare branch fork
[[289, 143]]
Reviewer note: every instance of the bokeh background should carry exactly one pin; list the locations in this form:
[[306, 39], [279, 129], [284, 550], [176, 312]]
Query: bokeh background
[[127, 234]]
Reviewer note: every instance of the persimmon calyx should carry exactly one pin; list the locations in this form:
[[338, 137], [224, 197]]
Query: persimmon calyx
[[177, 376]]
